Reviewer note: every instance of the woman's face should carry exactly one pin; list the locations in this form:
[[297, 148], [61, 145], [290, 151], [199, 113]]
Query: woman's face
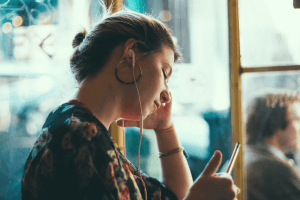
[[153, 84], [291, 136]]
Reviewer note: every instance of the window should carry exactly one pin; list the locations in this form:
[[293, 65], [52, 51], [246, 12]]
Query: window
[[269, 56], [36, 38]]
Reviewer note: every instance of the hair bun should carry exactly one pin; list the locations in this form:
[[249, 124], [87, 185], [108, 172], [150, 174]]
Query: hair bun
[[79, 38]]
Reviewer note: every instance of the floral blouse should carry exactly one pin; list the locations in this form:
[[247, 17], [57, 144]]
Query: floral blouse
[[76, 158]]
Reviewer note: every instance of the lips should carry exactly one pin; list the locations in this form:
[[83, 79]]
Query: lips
[[157, 105]]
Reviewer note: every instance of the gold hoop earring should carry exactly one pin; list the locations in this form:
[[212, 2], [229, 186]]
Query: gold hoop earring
[[116, 73]]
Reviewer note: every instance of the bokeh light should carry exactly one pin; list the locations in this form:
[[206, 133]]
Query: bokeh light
[[6, 27], [165, 15], [17, 21]]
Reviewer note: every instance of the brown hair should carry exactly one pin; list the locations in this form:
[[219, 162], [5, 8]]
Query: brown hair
[[93, 50], [263, 119]]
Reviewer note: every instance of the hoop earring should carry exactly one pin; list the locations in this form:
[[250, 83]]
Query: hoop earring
[[116, 72]]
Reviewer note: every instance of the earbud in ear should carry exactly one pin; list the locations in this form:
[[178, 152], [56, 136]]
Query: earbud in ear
[[130, 53]]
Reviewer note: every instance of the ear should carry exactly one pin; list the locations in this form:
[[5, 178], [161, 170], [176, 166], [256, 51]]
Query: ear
[[129, 50]]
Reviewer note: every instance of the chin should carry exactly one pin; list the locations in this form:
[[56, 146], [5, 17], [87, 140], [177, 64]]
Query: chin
[[131, 115], [134, 113]]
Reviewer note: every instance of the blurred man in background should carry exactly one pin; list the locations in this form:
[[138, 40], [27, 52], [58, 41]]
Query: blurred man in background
[[272, 129]]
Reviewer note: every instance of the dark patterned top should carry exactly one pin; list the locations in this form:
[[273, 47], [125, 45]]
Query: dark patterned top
[[76, 158]]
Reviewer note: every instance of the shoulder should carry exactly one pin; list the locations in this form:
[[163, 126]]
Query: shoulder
[[64, 112], [272, 179], [270, 166], [271, 176], [72, 117], [254, 153], [259, 160], [68, 127]]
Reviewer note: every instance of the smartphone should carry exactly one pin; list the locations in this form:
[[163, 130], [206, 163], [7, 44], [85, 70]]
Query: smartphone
[[233, 158]]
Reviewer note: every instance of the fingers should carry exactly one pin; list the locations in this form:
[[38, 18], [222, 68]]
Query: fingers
[[128, 123], [213, 165], [233, 191], [228, 176], [237, 189]]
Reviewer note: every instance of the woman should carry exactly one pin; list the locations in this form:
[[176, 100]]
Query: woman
[[123, 66]]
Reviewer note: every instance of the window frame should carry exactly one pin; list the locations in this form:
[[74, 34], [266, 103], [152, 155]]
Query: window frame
[[236, 71], [235, 92]]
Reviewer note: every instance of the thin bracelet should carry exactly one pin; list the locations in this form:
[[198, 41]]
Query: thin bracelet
[[171, 152]]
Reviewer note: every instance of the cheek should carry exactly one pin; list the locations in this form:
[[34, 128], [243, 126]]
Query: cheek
[[294, 135], [152, 84], [297, 129], [294, 131]]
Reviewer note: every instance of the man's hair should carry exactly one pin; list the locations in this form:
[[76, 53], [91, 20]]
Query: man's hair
[[266, 114]]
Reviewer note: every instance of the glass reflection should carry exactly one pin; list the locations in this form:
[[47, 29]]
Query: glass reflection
[[271, 115], [269, 35], [35, 77]]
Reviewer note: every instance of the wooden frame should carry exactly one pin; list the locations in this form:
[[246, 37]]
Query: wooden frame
[[235, 91]]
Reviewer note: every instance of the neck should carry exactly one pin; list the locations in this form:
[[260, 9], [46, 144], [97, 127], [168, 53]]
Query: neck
[[103, 102], [275, 141], [102, 94]]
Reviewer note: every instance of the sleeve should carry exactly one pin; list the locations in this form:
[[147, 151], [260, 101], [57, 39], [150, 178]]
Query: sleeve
[[71, 161], [155, 189]]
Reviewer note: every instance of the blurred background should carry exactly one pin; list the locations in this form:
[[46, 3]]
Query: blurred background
[[35, 77]]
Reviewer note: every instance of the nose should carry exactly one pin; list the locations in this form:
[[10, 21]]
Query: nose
[[165, 97]]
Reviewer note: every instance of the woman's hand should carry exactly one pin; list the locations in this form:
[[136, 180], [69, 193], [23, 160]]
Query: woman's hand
[[160, 120], [213, 186]]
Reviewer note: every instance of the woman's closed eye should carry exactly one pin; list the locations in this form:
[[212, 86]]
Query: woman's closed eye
[[165, 75]]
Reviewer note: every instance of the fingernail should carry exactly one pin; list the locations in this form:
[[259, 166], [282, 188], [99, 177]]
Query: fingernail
[[215, 154]]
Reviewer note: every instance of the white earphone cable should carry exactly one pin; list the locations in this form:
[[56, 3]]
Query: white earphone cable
[[141, 123]]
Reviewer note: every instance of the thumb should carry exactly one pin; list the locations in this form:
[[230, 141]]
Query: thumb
[[213, 165]]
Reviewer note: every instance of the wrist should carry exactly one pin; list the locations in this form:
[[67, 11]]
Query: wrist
[[167, 139], [177, 150], [168, 129]]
